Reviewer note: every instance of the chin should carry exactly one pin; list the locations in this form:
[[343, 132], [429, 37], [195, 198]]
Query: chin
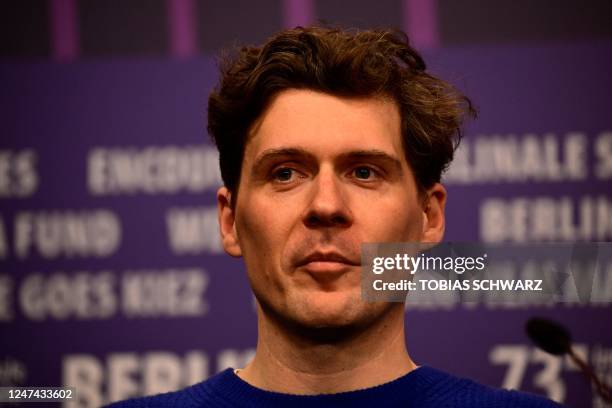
[[331, 308], [332, 316], [324, 316]]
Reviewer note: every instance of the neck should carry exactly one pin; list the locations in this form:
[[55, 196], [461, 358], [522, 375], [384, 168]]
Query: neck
[[293, 363]]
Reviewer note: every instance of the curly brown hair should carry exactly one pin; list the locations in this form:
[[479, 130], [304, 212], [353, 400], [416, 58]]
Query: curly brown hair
[[346, 63]]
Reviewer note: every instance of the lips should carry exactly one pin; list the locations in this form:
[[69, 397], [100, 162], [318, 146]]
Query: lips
[[330, 262]]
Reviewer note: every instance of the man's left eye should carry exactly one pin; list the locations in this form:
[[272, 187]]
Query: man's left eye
[[363, 173]]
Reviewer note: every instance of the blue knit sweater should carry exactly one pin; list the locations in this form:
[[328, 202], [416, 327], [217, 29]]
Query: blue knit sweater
[[424, 387]]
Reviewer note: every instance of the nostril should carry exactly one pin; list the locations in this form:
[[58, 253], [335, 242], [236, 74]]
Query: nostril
[[328, 206], [339, 220], [314, 220]]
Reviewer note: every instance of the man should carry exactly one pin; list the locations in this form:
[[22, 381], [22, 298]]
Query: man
[[329, 139]]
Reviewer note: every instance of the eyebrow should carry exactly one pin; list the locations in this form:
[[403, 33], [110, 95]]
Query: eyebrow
[[298, 153], [283, 152], [373, 155]]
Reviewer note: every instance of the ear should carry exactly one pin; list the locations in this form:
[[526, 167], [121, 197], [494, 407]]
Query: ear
[[433, 214], [227, 223]]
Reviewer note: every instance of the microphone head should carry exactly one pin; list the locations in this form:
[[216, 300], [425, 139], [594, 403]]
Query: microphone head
[[548, 335]]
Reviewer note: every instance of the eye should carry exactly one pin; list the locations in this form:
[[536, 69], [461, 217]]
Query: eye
[[283, 174], [363, 173]]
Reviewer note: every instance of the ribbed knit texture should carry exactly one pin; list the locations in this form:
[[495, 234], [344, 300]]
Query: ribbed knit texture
[[424, 387]]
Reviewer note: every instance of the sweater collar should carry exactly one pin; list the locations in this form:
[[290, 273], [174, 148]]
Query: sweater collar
[[414, 386]]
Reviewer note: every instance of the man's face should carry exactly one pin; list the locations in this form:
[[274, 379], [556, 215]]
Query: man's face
[[321, 175]]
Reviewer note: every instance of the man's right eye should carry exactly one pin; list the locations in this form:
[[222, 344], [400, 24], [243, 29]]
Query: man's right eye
[[283, 174]]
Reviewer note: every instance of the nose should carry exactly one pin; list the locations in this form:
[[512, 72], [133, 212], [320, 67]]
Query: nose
[[328, 204]]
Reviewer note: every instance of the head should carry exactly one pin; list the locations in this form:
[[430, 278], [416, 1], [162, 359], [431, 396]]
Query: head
[[329, 139]]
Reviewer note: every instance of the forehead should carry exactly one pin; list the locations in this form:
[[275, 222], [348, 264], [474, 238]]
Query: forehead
[[325, 125]]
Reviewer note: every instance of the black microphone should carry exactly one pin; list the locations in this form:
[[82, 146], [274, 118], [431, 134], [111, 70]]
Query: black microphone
[[556, 339]]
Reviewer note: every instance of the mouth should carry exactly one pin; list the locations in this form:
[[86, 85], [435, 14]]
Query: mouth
[[327, 263]]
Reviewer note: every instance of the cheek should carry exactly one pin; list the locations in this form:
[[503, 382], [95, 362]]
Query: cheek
[[410, 225], [251, 233], [262, 227], [392, 220], [264, 234], [256, 247]]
